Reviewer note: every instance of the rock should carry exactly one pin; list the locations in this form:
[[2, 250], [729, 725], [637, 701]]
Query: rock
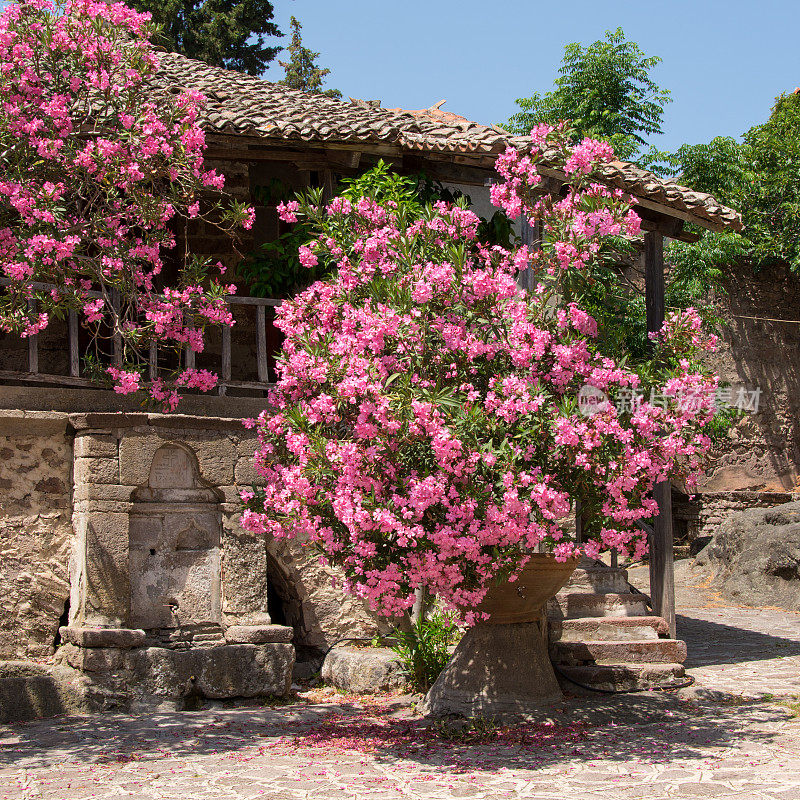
[[92, 659], [258, 634], [754, 557], [363, 670]]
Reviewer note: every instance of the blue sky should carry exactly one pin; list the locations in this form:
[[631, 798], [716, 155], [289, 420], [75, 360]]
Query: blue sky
[[724, 60]]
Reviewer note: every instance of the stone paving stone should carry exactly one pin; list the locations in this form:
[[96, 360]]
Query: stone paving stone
[[651, 746]]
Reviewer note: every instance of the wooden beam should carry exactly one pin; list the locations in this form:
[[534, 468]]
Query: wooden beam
[[671, 227], [448, 171], [662, 576], [226, 358], [684, 215]]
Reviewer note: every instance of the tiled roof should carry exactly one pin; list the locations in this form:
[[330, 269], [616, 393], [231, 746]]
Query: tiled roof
[[242, 104]]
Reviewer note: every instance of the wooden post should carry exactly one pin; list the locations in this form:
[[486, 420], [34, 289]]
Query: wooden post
[[261, 344], [74, 350], [117, 337], [226, 360], [662, 577], [33, 344], [152, 361], [530, 238]]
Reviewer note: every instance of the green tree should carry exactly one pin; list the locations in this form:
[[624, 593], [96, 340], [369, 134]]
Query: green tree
[[224, 33], [761, 177], [302, 71], [605, 90]]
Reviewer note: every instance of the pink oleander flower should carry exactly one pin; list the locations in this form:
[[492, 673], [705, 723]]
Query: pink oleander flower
[[125, 381], [88, 205], [425, 431]]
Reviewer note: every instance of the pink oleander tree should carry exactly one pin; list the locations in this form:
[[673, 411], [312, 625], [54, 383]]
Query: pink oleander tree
[[426, 430], [99, 169]]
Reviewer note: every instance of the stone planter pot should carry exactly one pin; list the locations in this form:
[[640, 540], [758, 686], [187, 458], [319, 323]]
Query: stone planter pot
[[501, 666]]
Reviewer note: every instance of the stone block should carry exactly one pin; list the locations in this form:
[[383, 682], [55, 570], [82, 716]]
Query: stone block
[[103, 492], [216, 455], [93, 659], [240, 670], [244, 569], [363, 670], [136, 453], [30, 691], [95, 470], [105, 589], [105, 421], [123, 638], [231, 498], [95, 446], [258, 634], [245, 473]]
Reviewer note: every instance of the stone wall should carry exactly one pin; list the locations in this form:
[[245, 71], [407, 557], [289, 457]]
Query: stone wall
[[762, 452], [716, 508], [35, 531], [73, 483], [758, 464]]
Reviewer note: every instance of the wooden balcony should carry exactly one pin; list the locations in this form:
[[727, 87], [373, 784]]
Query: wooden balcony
[[252, 370]]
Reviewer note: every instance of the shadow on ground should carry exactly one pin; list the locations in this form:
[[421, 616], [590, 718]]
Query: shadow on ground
[[647, 728], [712, 643]]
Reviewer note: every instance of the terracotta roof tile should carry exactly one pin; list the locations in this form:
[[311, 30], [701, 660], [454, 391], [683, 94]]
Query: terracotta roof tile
[[242, 104]]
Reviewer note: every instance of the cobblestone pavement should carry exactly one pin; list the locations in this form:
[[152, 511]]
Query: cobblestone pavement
[[630, 747], [736, 649]]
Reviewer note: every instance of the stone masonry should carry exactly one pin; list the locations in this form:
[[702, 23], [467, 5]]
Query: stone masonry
[[122, 548], [35, 531]]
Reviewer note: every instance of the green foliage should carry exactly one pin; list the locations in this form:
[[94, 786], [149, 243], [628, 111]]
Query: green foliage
[[761, 177], [719, 167], [224, 33], [423, 650], [771, 208], [302, 71], [273, 269], [606, 90], [383, 185]]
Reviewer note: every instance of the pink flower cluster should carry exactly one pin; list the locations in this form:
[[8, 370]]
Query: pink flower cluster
[[426, 431], [96, 169]]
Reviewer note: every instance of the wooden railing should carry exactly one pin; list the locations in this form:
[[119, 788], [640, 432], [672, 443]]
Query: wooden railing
[[225, 369]]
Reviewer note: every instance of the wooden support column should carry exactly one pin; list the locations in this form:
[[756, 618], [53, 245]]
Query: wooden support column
[[530, 238], [662, 578]]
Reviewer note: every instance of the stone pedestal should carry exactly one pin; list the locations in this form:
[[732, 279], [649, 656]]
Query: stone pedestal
[[496, 671], [501, 666]]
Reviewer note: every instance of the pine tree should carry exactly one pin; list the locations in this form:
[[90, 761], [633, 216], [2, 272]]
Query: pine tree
[[302, 71], [224, 33]]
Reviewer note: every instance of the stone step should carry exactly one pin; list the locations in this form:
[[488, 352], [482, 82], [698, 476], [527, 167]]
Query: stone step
[[636, 677], [593, 604], [607, 629], [597, 578], [646, 651]]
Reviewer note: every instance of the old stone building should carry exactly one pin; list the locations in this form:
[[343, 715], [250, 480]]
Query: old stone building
[[120, 552]]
